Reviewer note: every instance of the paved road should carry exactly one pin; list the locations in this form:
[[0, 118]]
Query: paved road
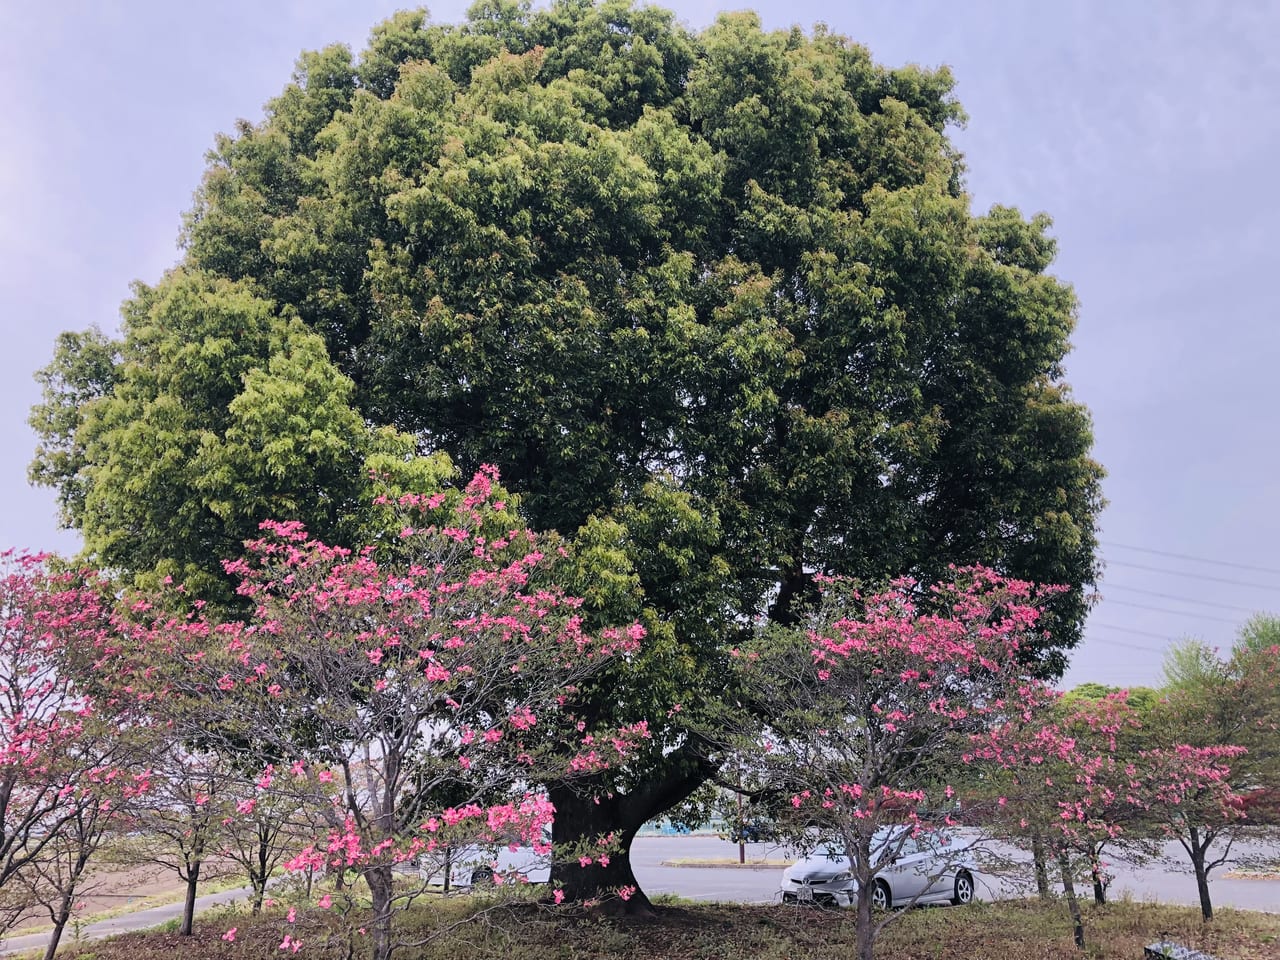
[[736, 885], [140, 920], [1158, 882]]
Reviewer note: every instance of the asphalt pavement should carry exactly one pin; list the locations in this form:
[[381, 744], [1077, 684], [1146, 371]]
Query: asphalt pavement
[[1165, 881], [125, 923]]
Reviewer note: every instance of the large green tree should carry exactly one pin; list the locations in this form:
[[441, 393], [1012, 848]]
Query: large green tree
[[716, 304]]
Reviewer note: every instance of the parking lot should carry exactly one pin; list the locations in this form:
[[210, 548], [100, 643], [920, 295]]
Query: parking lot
[[1165, 882]]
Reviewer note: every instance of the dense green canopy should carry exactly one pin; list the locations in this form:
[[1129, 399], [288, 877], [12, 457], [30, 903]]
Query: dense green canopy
[[718, 296]]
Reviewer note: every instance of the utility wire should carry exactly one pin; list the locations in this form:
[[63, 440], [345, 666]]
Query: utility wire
[[1108, 642], [1132, 646], [1141, 633], [1177, 613], [1174, 596], [1193, 576], [1193, 559]]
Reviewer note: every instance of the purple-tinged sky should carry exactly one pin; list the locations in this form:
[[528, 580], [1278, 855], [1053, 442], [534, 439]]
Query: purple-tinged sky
[[1149, 132]]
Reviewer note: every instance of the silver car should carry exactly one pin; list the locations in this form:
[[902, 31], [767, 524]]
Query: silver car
[[928, 868]]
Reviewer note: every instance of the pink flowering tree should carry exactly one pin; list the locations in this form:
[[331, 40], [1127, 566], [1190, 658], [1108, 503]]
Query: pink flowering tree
[[66, 763], [1070, 787], [866, 711], [1077, 779], [178, 824], [281, 818], [416, 691], [1193, 800]]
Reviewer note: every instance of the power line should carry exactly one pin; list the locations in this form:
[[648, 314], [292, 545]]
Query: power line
[[1192, 558], [1141, 633], [1174, 596], [1193, 576], [1133, 646], [1107, 641], [1177, 613]]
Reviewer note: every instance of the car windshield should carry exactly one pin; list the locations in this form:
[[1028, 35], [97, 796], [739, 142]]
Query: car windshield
[[891, 842]]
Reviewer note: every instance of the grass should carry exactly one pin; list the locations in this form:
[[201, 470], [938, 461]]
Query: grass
[[683, 930]]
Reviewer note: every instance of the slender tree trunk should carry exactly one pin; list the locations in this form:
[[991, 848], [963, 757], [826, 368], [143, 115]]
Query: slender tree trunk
[[742, 834], [1099, 888], [1041, 860], [189, 907], [864, 943], [88, 844], [1073, 905], [1198, 850], [379, 880], [859, 850], [59, 924], [258, 876]]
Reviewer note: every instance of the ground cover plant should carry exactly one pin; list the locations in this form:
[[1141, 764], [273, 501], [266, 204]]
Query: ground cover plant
[[688, 931]]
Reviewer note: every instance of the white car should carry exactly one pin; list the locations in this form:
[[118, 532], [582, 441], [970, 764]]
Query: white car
[[475, 866], [929, 868]]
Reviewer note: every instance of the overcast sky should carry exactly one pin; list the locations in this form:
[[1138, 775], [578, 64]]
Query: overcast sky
[[1149, 132]]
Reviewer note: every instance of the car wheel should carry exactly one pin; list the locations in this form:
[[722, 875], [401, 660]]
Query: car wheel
[[482, 878], [880, 897], [963, 893]]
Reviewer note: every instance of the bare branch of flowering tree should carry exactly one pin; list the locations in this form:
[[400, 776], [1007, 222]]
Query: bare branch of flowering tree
[[178, 824], [57, 880]]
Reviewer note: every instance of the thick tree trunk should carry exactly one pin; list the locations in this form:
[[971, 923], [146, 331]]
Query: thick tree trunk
[[189, 907], [1198, 849], [259, 891], [379, 880], [1073, 905], [580, 817], [792, 590], [1041, 860]]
